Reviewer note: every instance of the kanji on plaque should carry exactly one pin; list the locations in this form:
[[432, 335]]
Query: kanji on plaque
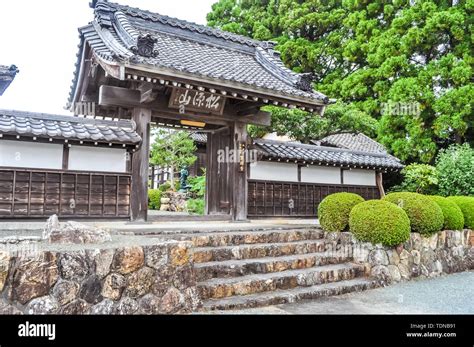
[[195, 100]]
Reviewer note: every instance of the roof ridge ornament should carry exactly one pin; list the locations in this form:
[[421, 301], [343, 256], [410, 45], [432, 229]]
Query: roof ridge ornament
[[304, 81], [146, 46], [94, 3], [103, 13]]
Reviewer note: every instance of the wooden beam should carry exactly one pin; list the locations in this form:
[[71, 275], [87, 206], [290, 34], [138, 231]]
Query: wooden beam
[[190, 116], [239, 173], [379, 181], [65, 156], [116, 96], [246, 111], [140, 164], [261, 118], [147, 94]]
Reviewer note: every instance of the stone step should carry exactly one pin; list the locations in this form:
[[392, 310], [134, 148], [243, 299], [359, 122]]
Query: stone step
[[225, 287], [236, 268], [278, 297], [257, 250], [252, 237]]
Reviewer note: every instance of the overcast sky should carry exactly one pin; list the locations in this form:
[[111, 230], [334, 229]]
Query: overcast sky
[[41, 38]]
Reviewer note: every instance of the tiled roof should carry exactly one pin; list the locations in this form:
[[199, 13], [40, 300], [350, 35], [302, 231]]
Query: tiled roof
[[66, 127], [192, 51], [271, 149], [7, 74], [353, 141], [325, 155], [199, 137]]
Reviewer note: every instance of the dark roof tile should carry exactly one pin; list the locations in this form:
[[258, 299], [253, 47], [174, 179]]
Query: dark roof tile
[[318, 153], [353, 141], [325, 155], [67, 127], [191, 49]]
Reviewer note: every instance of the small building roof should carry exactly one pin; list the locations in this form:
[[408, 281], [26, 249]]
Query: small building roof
[[7, 74], [352, 141], [199, 137], [40, 125], [130, 43], [321, 155]]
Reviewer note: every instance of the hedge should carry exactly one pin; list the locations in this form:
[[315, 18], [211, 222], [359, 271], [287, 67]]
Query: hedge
[[333, 211], [453, 216], [466, 204], [426, 217], [379, 221]]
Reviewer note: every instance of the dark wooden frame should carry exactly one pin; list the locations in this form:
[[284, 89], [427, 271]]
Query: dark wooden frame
[[271, 198], [37, 193]]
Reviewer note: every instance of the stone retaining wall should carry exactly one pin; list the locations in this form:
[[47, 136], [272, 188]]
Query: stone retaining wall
[[443, 253], [126, 276]]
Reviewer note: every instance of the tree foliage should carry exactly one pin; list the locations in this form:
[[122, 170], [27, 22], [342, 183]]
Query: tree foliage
[[305, 126], [366, 53], [172, 149], [455, 167], [418, 178]]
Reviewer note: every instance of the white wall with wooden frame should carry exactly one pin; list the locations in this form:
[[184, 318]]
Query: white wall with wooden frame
[[42, 177], [291, 172]]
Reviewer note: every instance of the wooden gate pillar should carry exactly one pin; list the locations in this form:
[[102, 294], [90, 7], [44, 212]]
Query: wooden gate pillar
[[218, 173], [140, 164], [239, 173]]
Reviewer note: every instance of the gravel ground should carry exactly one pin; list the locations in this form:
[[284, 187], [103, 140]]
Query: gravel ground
[[451, 294]]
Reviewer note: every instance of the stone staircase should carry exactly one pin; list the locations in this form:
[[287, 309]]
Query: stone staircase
[[245, 269]]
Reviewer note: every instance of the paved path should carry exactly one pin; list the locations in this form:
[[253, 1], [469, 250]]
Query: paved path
[[34, 228], [451, 294]]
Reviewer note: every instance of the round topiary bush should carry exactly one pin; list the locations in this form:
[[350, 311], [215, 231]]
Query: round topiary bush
[[333, 211], [426, 217], [379, 221], [453, 216], [466, 204]]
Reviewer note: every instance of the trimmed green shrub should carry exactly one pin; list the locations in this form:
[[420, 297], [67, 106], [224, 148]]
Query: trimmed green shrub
[[333, 211], [154, 199], [379, 221], [426, 217], [453, 216], [466, 204]]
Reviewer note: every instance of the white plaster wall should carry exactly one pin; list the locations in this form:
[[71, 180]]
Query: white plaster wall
[[84, 158], [273, 171], [321, 174], [359, 177], [31, 154]]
